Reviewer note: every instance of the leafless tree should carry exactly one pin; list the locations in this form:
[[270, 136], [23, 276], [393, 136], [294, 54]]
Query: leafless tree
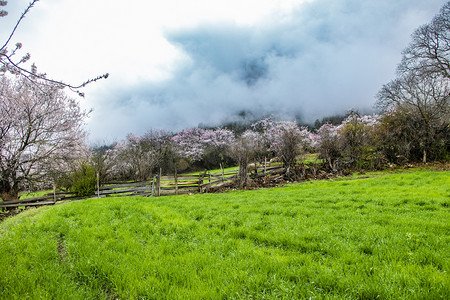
[[39, 125], [424, 100], [330, 146], [429, 50], [357, 134], [286, 138], [160, 142], [100, 158], [243, 151], [137, 157], [394, 139], [12, 62]]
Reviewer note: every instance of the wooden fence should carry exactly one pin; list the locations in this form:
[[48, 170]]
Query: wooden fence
[[158, 186], [49, 199]]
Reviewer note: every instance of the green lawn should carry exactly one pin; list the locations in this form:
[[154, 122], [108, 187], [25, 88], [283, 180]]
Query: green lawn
[[26, 195], [383, 237]]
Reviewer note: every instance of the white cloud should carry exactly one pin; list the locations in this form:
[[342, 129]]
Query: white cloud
[[176, 63]]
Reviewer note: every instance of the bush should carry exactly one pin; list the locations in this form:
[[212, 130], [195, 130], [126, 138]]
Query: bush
[[84, 180], [401, 138]]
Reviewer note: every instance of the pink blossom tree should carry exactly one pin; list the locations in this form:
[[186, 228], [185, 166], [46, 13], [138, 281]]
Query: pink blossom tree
[[348, 143], [243, 151], [39, 126], [206, 145], [329, 145], [286, 140], [189, 143]]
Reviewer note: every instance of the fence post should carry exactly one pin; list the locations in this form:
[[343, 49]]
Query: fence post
[[223, 175], [153, 186], [265, 165], [98, 185], [157, 186], [176, 181], [159, 182], [209, 179], [200, 182], [54, 192]]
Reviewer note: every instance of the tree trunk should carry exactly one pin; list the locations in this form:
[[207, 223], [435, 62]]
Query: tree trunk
[[8, 192], [424, 159], [243, 174]]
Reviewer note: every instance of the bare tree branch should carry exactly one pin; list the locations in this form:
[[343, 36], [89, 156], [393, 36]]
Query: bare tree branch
[[429, 50], [18, 22]]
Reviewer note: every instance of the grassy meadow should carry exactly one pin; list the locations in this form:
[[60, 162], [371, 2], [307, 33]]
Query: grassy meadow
[[382, 235]]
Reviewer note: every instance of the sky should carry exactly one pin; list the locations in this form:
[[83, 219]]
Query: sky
[[177, 64]]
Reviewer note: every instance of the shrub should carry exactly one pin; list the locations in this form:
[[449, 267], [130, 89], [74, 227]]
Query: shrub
[[83, 181]]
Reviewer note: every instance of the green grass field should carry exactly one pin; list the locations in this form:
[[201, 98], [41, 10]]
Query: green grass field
[[382, 237]]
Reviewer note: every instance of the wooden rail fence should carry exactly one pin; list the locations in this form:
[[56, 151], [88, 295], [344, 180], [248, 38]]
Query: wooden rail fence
[[157, 186]]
